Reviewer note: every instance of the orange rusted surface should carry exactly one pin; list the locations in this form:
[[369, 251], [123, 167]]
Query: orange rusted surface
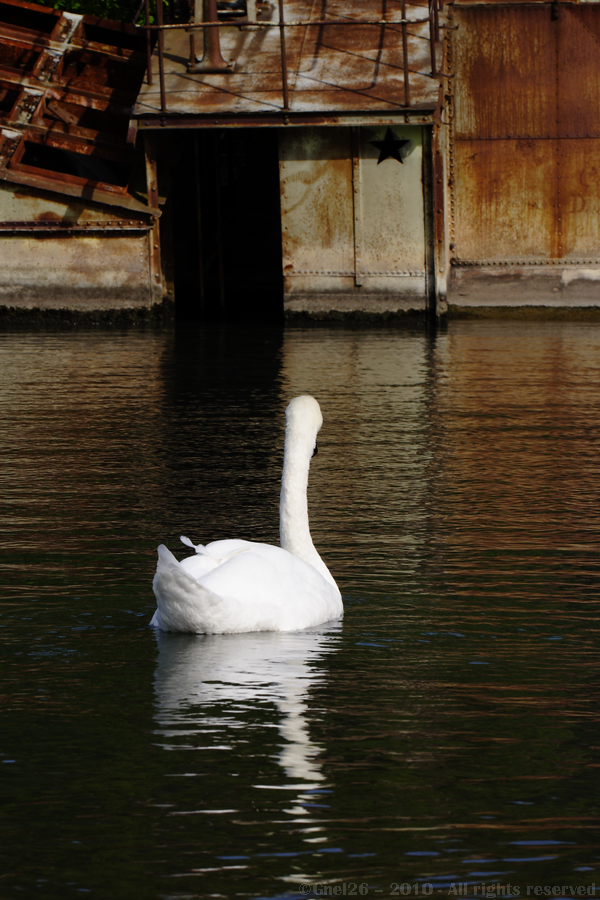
[[73, 235], [330, 68], [67, 86], [524, 146]]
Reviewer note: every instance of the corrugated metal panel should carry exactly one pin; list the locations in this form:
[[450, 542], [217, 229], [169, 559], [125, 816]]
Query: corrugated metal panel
[[503, 199], [525, 75], [504, 72], [578, 75], [578, 220]]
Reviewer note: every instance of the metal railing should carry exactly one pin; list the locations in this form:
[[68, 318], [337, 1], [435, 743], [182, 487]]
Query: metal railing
[[212, 60]]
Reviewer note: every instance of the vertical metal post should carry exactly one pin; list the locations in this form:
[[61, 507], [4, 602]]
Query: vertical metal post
[[161, 49], [148, 42], [284, 76], [405, 56], [151, 170], [212, 58], [155, 275], [432, 35], [356, 205]]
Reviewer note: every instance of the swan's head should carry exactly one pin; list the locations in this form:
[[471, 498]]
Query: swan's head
[[304, 419]]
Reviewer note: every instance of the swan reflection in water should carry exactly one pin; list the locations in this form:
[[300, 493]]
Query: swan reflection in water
[[236, 671]]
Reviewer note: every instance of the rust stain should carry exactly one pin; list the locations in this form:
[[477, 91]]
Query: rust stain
[[331, 68], [48, 216], [526, 162]]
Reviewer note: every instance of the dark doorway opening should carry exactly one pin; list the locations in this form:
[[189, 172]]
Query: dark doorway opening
[[226, 225]]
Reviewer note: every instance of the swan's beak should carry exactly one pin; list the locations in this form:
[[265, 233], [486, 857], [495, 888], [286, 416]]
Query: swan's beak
[[316, 450]]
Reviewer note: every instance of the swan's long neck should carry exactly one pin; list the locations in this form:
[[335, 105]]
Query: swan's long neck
[[294, 531]]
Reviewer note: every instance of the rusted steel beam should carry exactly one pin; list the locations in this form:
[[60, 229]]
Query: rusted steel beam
[[73, 133], [122, 154], [151, 171], [87, 190], [97, 94], [66, 94], [419, 116], [39, 43], [47, 225], [297, 24]]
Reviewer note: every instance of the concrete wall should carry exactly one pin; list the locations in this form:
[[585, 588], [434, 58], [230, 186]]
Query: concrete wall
[[61, 253]]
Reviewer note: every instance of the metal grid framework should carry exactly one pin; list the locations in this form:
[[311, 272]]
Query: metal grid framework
[[293, 61]]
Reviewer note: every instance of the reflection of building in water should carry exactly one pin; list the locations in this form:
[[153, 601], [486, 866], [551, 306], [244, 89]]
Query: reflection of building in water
[[234, 670], [516, 404], [374, 444]]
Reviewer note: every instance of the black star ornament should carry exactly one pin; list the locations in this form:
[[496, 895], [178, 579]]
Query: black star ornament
[[389, 147]]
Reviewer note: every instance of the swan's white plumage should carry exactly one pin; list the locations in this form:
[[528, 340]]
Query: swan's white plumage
[[238, 586]]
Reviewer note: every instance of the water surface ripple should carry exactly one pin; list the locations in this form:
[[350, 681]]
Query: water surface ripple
[[445, 733]]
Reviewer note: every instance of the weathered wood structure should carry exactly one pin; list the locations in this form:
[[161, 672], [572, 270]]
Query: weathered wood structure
[[76, 229]]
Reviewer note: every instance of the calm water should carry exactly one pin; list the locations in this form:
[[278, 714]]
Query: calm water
[[445, 735]]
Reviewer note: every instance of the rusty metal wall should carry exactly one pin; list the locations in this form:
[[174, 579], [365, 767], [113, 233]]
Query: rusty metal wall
[[353, 230], [525, 154]]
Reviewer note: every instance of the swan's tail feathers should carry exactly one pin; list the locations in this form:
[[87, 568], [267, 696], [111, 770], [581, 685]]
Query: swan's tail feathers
[[183, 603], [199, 548]]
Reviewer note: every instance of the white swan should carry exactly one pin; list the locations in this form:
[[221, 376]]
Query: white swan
[[237, 586]]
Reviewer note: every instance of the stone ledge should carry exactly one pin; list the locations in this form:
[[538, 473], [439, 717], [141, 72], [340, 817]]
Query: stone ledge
[[60, 317]]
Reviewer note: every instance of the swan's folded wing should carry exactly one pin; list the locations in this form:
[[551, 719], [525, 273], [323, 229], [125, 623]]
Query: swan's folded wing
[[183, 603], [199, 565], [273, 590]]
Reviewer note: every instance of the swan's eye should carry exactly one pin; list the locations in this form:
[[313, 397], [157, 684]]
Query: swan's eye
[[316, 450]]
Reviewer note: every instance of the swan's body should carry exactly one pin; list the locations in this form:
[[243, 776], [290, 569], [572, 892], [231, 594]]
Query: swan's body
[[237, 586]]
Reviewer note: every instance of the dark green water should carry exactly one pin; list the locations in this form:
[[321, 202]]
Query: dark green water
[[445, 736]]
